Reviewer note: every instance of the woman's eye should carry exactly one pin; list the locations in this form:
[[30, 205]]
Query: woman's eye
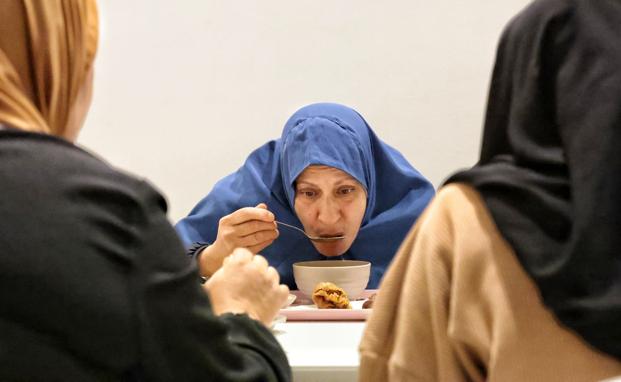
[[307, 193], [346, 190]]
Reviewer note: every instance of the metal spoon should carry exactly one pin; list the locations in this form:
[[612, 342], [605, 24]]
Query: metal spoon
[[313, 238]]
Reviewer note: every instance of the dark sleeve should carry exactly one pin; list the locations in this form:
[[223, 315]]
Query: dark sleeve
[[588, 91], [195, 249], [180, 337]]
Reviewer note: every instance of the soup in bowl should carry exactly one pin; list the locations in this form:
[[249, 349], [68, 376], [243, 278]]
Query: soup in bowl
[[351, 275]]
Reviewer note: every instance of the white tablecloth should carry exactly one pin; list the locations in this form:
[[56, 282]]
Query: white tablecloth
[[322, 351]]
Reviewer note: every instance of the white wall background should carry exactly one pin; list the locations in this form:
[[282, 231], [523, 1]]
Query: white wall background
[[185, 89]]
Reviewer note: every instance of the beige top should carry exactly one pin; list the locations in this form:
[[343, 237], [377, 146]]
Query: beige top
[[455, 305]]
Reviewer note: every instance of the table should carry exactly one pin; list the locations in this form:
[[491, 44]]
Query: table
[[325, 351]]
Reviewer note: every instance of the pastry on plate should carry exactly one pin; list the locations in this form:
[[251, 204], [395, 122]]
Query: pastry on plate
[[329, 296]]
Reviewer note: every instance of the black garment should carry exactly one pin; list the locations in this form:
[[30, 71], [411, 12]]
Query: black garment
[[95, 285], [550, 166]]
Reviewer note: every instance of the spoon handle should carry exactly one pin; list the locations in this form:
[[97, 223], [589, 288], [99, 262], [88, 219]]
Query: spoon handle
[[313, 238], [292, 226]]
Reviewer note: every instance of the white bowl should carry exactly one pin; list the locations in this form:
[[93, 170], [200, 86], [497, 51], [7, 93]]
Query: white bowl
[[351, 275]]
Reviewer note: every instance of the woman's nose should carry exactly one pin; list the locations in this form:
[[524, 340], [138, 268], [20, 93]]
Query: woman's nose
[[329, 212]]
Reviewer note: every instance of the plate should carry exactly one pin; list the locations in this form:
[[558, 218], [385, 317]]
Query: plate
[[290, 299], [303, 309], [280, 319]]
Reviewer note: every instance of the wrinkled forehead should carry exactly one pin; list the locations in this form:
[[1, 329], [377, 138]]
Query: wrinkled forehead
[[324, 175]]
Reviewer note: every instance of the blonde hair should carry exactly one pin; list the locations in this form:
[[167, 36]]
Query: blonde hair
[[47, 48]]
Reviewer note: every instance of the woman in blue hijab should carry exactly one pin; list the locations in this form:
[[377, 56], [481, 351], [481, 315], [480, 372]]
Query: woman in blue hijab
[[328, 173]]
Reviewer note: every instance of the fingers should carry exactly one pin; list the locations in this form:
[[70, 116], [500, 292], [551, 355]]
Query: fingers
[[252, 226], [249, 227], [242, 256], [283, 291], [239, 256], [259, 247], [260, 262], [258, 238], [272, 275], [247, 284], [249, 213]]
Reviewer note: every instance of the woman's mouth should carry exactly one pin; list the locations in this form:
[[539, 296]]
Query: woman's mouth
[[330, 234]]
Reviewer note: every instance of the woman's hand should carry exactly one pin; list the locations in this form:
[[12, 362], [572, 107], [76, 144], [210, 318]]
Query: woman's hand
[[246, 284], [252, 228]]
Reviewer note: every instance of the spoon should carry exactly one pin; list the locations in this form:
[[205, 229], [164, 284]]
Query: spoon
[[313, 238]]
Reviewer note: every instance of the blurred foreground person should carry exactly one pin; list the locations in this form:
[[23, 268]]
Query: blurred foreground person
[[95, 284], [513, 273]]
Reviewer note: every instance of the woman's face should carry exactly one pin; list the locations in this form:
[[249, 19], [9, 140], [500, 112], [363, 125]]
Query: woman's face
[[329, 202]]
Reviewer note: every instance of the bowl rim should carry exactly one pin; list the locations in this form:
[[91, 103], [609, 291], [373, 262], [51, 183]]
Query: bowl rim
[[340, 264]]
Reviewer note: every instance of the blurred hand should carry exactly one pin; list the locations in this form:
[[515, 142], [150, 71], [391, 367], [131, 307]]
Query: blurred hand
[[246, 284], [252, 228]]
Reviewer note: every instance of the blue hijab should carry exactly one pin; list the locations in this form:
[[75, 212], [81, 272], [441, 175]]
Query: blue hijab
[[319, 134]]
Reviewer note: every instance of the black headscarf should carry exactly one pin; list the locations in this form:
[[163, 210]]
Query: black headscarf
[[550, 166]]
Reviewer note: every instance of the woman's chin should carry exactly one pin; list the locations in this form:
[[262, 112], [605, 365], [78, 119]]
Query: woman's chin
[[332, 249]]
